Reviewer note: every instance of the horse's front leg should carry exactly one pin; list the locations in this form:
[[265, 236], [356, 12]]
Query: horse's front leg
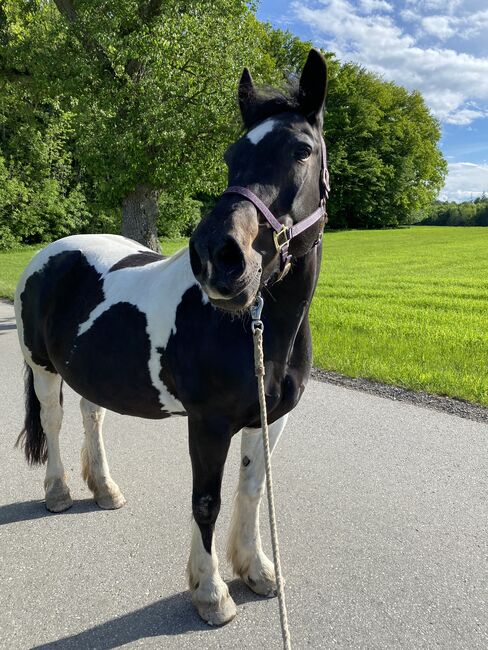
[[244, 549], [208, 450]]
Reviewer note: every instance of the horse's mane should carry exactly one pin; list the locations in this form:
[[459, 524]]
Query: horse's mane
[[266, 101]]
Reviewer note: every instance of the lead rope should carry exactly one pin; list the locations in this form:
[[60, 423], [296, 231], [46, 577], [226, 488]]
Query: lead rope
[[257, 332]]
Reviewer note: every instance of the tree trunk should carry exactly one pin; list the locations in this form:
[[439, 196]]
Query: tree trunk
[[140, 216]]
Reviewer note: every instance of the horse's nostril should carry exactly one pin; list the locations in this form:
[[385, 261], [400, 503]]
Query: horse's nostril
[[229, 255]]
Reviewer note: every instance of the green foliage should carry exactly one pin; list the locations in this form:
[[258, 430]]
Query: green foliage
[[469, 213], [42, 194], [384, 160], [178, 215], [152, 94]]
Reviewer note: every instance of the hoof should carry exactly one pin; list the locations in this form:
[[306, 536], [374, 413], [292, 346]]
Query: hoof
[[217, 613], [58, 497], [259, 575], [263, 586], [112, 499]]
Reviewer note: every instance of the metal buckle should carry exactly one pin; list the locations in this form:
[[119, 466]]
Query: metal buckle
[[282, 273], [281, 233], [256, 309]]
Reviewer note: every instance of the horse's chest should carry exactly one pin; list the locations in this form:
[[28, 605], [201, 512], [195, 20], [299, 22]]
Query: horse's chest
[[210, 365]]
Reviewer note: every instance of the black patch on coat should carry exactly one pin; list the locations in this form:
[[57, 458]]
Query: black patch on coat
[[56, 299], [109, 363], [137, 259], [208, 363]]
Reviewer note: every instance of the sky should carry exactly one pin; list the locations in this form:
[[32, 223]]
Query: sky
[[439, 47]]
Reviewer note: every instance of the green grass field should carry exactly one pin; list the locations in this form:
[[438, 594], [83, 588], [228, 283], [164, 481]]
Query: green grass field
[[406, 307]]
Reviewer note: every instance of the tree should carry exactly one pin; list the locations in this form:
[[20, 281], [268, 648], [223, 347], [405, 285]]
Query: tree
[[385, 163], [150, 87], [41, 195], [468, 213]]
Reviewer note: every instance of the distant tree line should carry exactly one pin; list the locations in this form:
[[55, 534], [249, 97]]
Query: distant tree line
[[115, 115], [468, 213]]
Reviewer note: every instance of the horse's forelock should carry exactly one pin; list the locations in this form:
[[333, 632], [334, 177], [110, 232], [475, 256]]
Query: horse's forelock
[[268, 101]]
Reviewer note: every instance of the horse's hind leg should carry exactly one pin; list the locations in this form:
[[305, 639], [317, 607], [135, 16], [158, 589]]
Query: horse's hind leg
[[47, 386], [94, 466], [244, 549]]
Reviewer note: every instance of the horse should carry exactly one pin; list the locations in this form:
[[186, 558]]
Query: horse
[[140, 334]]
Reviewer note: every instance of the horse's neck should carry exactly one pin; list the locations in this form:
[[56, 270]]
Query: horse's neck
[[289, 300]]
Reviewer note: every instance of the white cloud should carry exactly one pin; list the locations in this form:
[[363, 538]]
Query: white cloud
[[410, 16], [369, 6], [465, 116], [465, 181], [450, 80], [449, 6], [439, 26]]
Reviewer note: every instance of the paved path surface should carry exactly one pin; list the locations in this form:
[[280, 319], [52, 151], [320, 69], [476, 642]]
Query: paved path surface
[[382, 514]]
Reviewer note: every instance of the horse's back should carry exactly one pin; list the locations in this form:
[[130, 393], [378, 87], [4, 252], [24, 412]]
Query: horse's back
[[100, 251]]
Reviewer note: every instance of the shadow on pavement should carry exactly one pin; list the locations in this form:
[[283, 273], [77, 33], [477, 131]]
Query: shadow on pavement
[[167, 617], [35, 509], [7, 324]]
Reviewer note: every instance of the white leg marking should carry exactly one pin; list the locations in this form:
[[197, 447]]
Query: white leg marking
[[47, 386], [244, 549], [94, 466], [209, 592]]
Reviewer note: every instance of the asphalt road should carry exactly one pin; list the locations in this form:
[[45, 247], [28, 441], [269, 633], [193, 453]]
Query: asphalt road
[[382, 510]]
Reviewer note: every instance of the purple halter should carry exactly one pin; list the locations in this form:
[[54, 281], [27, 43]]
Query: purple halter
[[283, 235]]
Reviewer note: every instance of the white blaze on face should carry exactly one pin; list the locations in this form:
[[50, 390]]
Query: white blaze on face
[[257, 134]]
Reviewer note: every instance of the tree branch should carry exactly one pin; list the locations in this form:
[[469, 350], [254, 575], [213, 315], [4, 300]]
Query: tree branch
[[150, 10], [68, 11]]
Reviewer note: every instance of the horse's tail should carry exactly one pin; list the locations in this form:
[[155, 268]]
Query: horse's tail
[[32, 438]]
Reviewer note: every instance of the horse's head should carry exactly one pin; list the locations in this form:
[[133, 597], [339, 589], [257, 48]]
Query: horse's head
[[233, 251]]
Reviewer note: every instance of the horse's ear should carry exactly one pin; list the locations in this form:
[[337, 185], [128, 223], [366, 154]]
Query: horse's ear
[[313, 86], [247, 97]]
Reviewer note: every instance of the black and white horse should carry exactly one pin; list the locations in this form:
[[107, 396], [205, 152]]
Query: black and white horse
[[142, 335]]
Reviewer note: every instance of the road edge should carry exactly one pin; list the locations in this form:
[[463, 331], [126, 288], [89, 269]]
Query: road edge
[[450, 405]]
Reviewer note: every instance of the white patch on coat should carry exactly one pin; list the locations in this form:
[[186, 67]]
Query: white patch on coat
[[244, 549], [156, 289], [209, 592], [47, 387], [94, 465], [257, 134]]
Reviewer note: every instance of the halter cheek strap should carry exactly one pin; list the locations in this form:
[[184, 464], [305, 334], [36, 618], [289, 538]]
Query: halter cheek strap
[[283, 235]]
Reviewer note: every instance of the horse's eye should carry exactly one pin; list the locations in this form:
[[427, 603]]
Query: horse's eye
[[303, 153]]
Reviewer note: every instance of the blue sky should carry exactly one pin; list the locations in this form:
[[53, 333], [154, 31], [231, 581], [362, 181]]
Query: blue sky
[[439, 47]]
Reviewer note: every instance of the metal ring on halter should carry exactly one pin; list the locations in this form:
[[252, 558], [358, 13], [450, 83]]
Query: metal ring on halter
[[282, 235]]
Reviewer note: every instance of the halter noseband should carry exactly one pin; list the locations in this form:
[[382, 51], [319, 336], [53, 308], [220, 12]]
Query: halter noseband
[[283, 235]]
